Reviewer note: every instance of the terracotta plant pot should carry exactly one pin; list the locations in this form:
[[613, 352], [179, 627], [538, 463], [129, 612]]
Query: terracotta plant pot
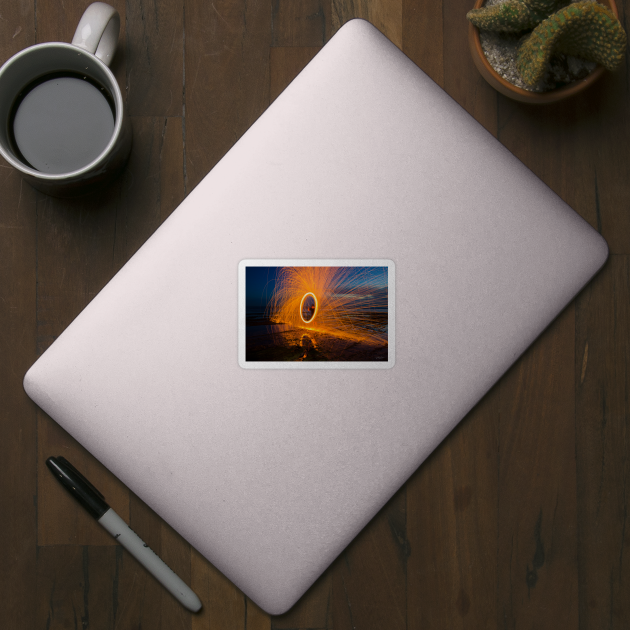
[[519, 94]]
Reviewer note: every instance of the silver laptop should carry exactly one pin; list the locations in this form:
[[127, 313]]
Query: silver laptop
[[317, 315]]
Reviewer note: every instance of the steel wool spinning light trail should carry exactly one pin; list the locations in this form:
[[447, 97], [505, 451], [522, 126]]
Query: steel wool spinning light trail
[[349, 302]]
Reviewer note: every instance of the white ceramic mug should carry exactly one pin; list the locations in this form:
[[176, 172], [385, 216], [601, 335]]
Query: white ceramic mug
[[88, 57]]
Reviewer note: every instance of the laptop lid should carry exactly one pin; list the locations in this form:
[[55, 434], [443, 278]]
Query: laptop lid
[[317, 315]]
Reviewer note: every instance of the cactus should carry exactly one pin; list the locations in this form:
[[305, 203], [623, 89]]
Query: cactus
[[584, 29], [513, 16]]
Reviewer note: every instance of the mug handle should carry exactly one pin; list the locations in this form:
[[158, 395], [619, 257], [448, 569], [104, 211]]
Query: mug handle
[[98, 30]]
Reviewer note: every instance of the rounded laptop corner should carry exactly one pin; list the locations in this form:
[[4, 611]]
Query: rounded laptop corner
[[357, 23], [603, 252], [28, 382], [33, 386], [278, 605]]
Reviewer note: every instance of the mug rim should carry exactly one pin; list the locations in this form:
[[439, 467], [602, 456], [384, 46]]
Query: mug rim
[[118, 122]]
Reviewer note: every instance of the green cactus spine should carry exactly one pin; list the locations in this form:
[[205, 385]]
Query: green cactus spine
[[513, 16], [583, 29]]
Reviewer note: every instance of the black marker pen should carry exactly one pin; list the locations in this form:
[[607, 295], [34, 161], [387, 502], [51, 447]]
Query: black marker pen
[[94, 502]]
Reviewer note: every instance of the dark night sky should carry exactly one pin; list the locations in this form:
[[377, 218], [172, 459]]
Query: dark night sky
[[260, 283]]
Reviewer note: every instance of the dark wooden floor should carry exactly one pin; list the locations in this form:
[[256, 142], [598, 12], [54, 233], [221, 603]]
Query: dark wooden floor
[[518, 520]]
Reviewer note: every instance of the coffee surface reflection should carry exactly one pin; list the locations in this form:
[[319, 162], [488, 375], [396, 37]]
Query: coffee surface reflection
[[62, 123]]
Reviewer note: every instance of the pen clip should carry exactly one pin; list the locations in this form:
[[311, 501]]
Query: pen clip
[[62, 460]]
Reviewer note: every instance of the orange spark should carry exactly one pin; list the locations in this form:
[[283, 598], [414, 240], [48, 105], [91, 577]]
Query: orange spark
[[350, 302]]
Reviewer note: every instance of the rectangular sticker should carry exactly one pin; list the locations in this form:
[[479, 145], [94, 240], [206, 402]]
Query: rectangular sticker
[[316, 313]]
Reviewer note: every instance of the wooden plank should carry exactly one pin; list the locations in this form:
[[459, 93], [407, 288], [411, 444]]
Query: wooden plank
[[461, 78], [558, 148], [74, 248], [452, 527], [18, 424], [313, 609], [154, 57], [171, 159], [152, 185], [537, 537], [17, 28], [224, 605], [18, 481], [369, 577], [226, 78], [603, 441], [76, 587], [285, 64], [422, 36], [102, 588], [386, 15], [255, 617], [300, 23], [608, 135]]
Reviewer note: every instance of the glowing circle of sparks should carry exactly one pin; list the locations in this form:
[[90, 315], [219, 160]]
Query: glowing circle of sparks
[[316, 307]]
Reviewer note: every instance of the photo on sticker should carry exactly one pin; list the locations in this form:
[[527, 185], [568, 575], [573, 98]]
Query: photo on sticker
[[316, 313]]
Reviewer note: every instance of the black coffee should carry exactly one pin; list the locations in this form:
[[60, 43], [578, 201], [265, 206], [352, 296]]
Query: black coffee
[[61, 123]]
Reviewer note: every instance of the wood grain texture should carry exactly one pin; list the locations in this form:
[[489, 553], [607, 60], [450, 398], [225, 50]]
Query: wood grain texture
[[461, 79], [154, 57], [519, 519], [17, 28], [537, 510], [369, 577], [452, 515], [609, 134], [18, 416], [226, 78], [224, 606], [313, 610], [76, 587], [386, 15], [422, 36], [602, 381], [300, 23], [151, 187]]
